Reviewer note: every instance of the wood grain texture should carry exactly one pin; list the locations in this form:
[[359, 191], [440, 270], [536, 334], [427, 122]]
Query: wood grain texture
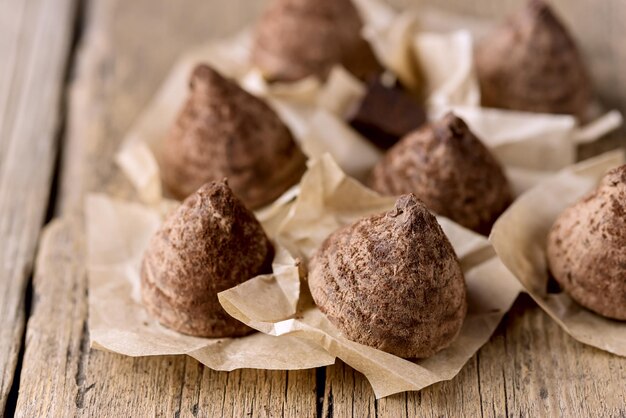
[[35, 39], [52, 378], [529, 368]]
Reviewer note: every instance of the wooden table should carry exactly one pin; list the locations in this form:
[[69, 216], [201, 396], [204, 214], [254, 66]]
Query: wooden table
[[73, 76]]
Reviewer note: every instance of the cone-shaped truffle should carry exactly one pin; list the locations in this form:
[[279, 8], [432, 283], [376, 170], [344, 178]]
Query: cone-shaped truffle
[[450, 170], [209, 244], [587, 248], [223, 131], [392, 281], [531, 63], [299, 38]]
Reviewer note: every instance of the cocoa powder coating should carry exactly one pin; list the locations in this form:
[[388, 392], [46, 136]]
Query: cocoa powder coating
[[209, 244], [586, 248], [531, 63], [223, 131], [450, 170], [392, 281], [299, 38]]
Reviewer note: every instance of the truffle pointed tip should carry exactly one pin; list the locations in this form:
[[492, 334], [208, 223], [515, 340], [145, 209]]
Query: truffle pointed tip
[[213, 190], [450, 118], [407, 203], [538, 6], [616, 176], [540, 11], [214, 185], [205, 75], [453, 124]]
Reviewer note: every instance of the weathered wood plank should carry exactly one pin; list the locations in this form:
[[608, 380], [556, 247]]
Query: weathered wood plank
[[547, 373], [35, 39], [52, 377]]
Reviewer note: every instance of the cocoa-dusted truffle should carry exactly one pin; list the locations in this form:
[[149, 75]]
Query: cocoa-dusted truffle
[[386, 113], [531, 63], [223, 131], [392, 281], [450, 170], [209, 244], [587, 248], [299, 38]]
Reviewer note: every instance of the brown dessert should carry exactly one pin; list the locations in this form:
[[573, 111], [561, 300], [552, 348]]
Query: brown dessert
[[450, 170], [223, 131], [587, 248], [531, 63], [299, 38], [209, 244], [392, 281]]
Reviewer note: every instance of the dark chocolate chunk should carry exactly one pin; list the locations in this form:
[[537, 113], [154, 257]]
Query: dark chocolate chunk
[[386, 114]]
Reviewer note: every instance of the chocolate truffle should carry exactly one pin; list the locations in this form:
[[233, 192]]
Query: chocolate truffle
[[531, 63], [392, 281], [299, 38], [210, 243], [587, 248], [223, 131], [386, 114], [450, 170]]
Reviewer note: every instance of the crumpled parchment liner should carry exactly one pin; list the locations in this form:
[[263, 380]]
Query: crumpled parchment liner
[[519, 238], [530, 146], [117, 235], [329, 199]]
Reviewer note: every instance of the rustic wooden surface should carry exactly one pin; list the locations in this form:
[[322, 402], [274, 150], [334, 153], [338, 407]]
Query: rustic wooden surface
[[35, 38], [529, 368]]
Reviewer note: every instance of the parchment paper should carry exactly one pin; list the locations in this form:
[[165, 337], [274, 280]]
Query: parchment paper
[[329, 199], [519, 238], [118, 231], [117, 235]]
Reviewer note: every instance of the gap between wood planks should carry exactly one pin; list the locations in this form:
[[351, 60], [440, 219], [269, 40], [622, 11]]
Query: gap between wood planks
[[77, 32]]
